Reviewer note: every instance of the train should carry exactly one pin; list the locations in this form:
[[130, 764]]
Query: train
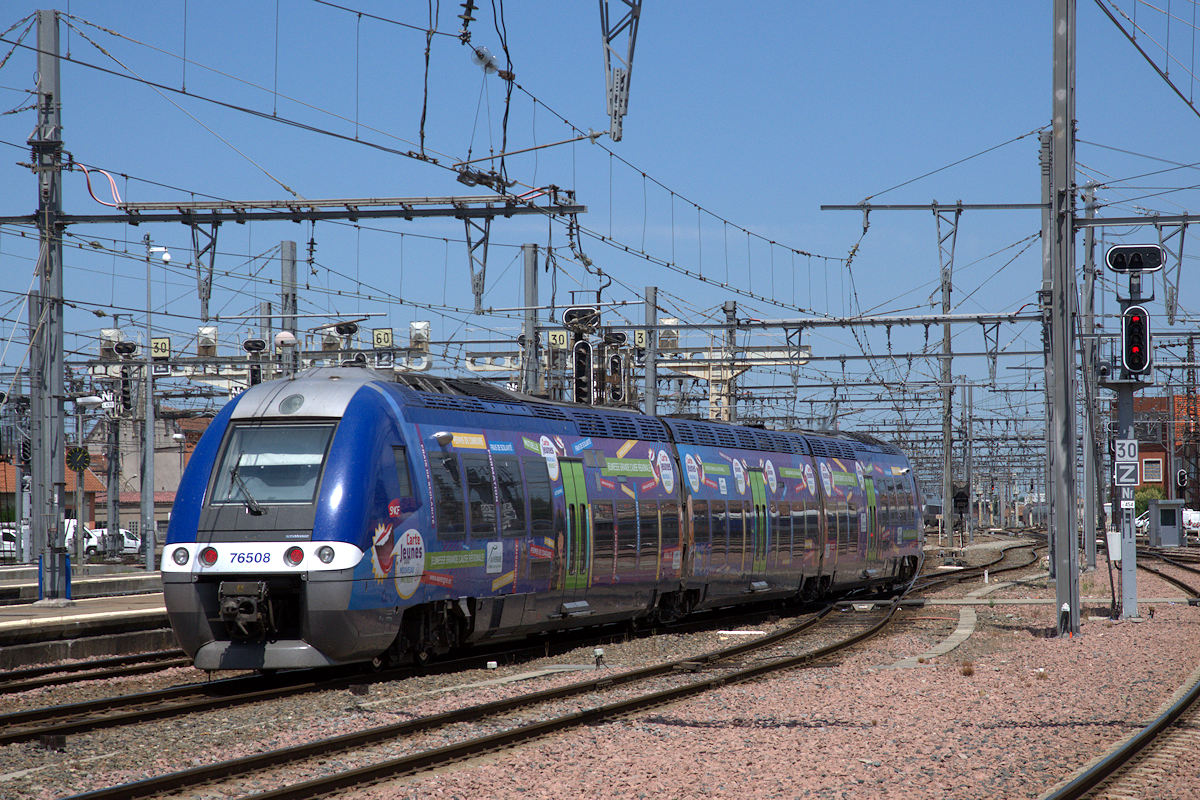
[[341, 515]]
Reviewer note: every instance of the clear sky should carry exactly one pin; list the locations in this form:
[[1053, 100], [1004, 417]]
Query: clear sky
[[757, 113]]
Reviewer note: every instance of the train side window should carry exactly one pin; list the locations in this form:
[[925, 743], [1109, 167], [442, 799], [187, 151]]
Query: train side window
[[627, 531], [781, 528], [448, 496], [831, 524], [541, 505], [737, 534], [603, 539], [512, 498], [799, 529], [647, 534], [812, 524], [701, 525], [481, 495], [720, 532], [670, 524], [403, 474]]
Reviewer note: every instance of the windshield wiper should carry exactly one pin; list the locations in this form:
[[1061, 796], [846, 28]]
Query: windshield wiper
[[252, 505]]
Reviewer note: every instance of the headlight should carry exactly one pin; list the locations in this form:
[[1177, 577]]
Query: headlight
[[325, 553], [180, 556]]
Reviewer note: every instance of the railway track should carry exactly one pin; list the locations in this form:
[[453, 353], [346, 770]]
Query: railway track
[[1136, 766], [115, 711], [179, 701], [738, 663], [1189, 589], [23, 680], [109, 712], [999, 564]]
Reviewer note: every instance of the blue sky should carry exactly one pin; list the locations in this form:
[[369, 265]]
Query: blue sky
[[759, 113]]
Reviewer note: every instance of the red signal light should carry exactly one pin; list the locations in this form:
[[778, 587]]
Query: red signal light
[[1135, 340]]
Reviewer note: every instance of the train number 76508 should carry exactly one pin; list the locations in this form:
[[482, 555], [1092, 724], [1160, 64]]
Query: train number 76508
[[250, 558]]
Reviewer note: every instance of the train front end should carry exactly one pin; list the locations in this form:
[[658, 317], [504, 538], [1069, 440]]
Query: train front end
[[268, 556]]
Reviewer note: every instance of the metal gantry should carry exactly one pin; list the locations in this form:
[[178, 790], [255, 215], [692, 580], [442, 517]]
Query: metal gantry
[[618, 65]]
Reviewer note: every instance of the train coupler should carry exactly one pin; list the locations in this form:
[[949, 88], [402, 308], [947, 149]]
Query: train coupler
[[246, 608]]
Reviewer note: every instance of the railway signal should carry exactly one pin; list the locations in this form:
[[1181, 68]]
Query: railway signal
[[1134, 258], [616, 377], [1135, 340], [582, 319], [581, 365]]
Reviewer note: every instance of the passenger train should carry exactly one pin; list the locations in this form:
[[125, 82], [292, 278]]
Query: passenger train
[[343, 516]]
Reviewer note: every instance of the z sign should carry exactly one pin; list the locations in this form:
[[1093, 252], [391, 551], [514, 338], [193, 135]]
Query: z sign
[[1126, 473]]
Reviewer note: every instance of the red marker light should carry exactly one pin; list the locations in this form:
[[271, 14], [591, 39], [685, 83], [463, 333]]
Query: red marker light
[[208, 556], [293, 556]]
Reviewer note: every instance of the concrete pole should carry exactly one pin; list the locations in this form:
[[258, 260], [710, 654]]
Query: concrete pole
[[288, 303], [19, 489], [730, 384], [113, 478], [1062, 340], [969, 456], [651, 405], [79, 545], [947, 423], [1045, 162], [529, 353], [47, 388], [1091, 476], [148, 528], [1129, 606]]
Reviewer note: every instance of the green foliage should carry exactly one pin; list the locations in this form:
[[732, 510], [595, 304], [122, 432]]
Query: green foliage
[[1142, 498]]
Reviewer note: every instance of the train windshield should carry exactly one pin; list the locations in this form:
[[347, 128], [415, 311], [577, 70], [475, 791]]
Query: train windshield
[[271, 464]]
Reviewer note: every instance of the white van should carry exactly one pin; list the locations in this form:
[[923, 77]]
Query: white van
[[128, 544], [90, 542], [94, 540]]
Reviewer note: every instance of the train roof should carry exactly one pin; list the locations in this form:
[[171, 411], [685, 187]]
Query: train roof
[[327, 390]]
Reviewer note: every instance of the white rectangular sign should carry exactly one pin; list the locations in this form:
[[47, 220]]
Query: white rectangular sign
[[1125, 450], [1126, 473]]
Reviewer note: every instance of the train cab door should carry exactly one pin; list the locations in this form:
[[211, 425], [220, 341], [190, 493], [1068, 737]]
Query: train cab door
[[578, 541], [759, 526]]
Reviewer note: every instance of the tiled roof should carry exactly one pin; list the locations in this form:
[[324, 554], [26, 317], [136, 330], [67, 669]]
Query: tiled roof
[[8, 480]]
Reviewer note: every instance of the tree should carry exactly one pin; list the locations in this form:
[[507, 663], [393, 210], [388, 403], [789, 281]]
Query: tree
[[1142, 498]]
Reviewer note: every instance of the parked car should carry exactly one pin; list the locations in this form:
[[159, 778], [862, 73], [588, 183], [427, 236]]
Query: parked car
[[1142, 522], [1191, 520]]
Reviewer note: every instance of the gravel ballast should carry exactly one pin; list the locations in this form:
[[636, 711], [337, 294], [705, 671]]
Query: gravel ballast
[[1008, 714]]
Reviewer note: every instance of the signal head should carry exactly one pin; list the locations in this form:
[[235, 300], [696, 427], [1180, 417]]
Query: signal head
[[1134, 258], [1135, 340]]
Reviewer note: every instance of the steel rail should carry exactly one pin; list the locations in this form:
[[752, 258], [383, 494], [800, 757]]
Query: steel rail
[[427, 759], [153, 787], [1091, 777], [98, 669]]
